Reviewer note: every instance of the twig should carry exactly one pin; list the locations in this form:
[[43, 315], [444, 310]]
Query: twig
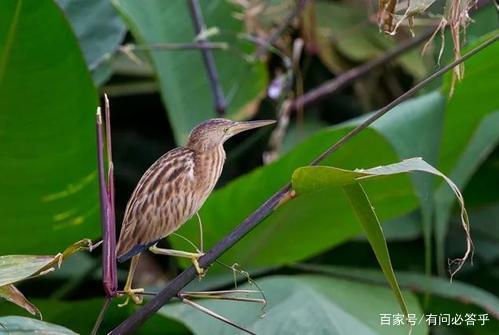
[[215, 315], [172, 289], [174, 46], [102, 313], [333, 85], [209, 60], [300, 5]]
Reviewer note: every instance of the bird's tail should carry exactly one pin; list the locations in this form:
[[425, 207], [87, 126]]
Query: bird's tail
[[135, 250]]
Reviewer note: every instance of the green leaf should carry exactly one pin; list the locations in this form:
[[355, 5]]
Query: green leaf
[[308, 179], [413, 128], [349, 32], [47, 132], [303, 305], [486, 232], [99, 30], [370, 223], [416, 282], [464, 148], [17, 325], [465, 110], [14, 268], [80, 316], [183, 80]]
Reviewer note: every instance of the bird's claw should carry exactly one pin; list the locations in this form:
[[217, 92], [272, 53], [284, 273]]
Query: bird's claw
[[201, 272], [132, 293]]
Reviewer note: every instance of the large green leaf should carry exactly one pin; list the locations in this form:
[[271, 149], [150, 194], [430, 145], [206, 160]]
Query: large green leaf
[[308, 179], [465, 109], [372, 228], [80, 315], [183, 81], [413, 128], [48, 188], [304, 305], [416, 282], [17, 325], [469, 133], [312, 179], [99, 30]]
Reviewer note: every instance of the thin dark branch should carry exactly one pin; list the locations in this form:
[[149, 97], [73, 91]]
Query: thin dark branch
[[400, 99], [174, 46], [288, 21], [102, 313], [344, 79], [172, 289], [208, 59]]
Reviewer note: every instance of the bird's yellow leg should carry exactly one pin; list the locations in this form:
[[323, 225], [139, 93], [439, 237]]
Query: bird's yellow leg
[[201, 239], [193, 256], [128, 290]]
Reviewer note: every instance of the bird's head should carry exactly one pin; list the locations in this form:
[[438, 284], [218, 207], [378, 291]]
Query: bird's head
[[214, 132]]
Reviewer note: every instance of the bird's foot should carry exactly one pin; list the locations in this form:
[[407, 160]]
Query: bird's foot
[[131, 293], [194, 259], [193, 256]]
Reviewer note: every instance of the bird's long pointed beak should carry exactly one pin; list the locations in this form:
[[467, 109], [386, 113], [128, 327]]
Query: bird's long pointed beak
[[241, 126]]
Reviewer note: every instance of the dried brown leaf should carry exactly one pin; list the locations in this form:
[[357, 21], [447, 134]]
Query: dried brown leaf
[[386, 12], [12, 294]]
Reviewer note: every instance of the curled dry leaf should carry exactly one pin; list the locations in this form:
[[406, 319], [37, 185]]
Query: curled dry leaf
[[386, 13], [414, 8], [455, 16], [12, 294], [311, 178], [15, 268]]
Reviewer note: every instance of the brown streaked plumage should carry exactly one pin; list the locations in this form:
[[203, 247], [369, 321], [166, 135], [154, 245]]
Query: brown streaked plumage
[[175, 187]]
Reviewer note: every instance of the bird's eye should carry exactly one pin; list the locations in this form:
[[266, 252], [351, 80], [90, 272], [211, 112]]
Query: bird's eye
[[226, 129]]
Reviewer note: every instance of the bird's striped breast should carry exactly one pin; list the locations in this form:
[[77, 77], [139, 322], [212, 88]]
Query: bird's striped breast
[[171, 191]]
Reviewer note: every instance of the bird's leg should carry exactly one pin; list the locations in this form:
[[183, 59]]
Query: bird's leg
[[128, 290], [193, 256], [185, 300], [231, 295], [201, 239]]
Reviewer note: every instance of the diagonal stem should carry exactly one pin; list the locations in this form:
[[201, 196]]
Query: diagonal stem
[[172, 289], [208, 59], [215, 315]]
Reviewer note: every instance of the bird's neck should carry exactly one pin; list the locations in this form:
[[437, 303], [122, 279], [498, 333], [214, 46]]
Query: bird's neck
[[210, 165]]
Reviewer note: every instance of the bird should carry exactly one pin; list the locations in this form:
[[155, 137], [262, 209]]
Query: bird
[[171, 191]]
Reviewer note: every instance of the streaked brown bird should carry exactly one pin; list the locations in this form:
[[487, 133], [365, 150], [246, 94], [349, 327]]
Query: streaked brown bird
[[172, 190]]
